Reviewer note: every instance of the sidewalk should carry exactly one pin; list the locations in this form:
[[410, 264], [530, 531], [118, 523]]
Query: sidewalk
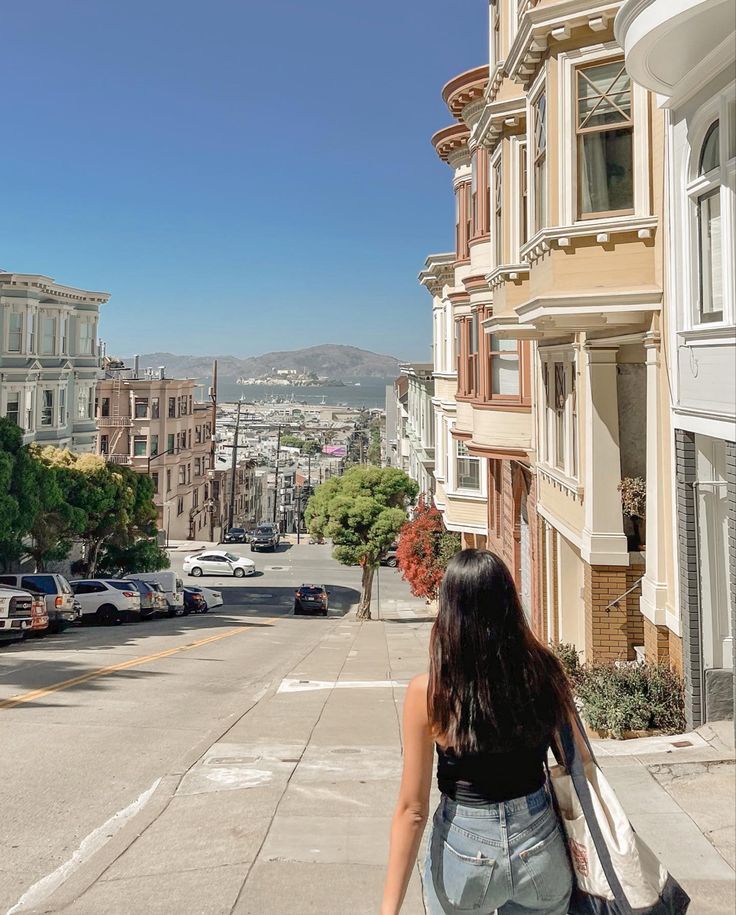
[[289, 811]]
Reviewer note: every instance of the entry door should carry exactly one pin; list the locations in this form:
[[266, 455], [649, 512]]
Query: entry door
[[713, 559]]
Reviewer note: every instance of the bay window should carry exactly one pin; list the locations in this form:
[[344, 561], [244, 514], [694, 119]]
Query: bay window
[[48, 335], [503, 367], [473, 362], [62, 407], [467, 469], [86, 338], [559, 445], [497, 168], [12, 408], [523, 195], [47, 407], [64, 335], [707, 203], [539, 137], [30, 333], [15, 332], [605, 140]]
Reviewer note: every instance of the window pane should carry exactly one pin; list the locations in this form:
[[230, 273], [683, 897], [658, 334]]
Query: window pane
[[505, 375], [139, 446], [604, 95], [605, 171], [499, 344], [47, 408], [12, 408], [710, 157], [709, 243], [15, 332]]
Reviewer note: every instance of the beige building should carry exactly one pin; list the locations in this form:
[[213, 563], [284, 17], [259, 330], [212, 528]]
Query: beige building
[[151, 423], [549, 362]]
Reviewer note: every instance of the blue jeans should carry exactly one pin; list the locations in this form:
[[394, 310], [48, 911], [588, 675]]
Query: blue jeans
[[507, 857]]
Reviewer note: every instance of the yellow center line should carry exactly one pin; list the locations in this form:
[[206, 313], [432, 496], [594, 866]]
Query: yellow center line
[[124, 665]]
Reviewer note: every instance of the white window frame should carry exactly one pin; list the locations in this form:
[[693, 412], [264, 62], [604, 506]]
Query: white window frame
[[567, 165], [457, 488], [92, 324], [721, 108], [41, 406], [16, 390], [569, 468], [518, 145], [61, 407], [43, 317], [21, 315], [496, 165], [539, 87]]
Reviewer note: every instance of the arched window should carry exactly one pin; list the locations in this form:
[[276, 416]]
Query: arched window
[[706, 194]]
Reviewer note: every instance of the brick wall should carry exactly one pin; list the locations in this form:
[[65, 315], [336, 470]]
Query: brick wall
[[685, 470], [675, 652], [656, 642], [606, 629], [634, 619]]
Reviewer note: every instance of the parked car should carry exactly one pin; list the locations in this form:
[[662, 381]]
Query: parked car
[[40, 615], [16, 613], [153, 600], [108, 600], [265, 537], [311, 599], [389, 557], [235, 535], [172, 586], [211, 598], [218, 562], [194, 601], [56, 592]]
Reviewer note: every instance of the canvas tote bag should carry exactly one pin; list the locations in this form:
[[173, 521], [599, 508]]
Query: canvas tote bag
[[615, 872]]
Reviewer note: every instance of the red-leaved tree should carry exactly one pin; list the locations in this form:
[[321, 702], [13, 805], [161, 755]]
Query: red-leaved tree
[[424, 549]]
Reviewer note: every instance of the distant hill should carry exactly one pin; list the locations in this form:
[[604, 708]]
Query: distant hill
[[332, 360]]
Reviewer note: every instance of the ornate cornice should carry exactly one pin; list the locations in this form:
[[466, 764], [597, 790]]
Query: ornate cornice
[[451, 140], [465, 88]]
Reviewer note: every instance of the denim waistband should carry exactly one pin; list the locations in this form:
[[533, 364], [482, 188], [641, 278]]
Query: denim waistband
[[532, 803]]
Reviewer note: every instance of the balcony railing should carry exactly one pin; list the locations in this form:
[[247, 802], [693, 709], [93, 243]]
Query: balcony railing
[[117, 458], [114, 421]]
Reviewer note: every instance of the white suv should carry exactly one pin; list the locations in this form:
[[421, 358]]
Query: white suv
[[218, 562], [108, 600]]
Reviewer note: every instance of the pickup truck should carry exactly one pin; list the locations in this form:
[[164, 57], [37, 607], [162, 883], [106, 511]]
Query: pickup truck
[[16, 613]]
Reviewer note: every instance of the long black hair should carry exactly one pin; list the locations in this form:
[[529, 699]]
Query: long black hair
[[492, 684]]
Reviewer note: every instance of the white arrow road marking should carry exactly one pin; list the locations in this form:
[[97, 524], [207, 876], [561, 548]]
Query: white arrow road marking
[[303, 686], [88, 846]]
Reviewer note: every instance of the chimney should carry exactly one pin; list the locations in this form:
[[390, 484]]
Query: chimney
[[136, 365]]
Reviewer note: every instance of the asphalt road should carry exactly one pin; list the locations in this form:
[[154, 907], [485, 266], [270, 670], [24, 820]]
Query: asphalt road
[[91, 718]]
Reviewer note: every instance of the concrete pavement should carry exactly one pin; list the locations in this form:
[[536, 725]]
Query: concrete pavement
[[284, 805]]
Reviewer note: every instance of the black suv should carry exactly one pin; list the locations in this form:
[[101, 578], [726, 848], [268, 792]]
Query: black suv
[[234, 535], [265, 537], [311, 599]]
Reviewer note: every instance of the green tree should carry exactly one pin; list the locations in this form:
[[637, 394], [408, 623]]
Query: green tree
[[26, 492], [362, 512]]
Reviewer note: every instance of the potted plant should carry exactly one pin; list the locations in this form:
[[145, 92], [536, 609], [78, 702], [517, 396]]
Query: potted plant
[[634, 505]]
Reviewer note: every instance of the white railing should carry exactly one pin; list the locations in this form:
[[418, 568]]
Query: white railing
[[114, 421], [118, 458]]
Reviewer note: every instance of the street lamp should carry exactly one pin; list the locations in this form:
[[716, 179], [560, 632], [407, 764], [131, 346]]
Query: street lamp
[[158, 455]]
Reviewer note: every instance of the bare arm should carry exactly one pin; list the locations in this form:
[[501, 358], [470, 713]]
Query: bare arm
[[412, 808]]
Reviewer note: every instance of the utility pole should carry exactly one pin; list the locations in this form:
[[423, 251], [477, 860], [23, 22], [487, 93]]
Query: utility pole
[[235, 466], [213, 398], [299, 515], [276, 477]]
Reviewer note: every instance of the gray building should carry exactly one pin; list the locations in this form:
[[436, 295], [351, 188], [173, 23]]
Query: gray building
[[49, 360]]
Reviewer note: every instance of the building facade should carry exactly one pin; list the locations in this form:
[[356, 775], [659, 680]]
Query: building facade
[[419, 425], [152, 424], [685, 52], [49, 360], [550, 356]]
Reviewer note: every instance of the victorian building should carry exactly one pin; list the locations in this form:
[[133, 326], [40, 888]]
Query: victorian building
[[684, 52], [151, 423], [550, 358], [419, 425], [49, 360]]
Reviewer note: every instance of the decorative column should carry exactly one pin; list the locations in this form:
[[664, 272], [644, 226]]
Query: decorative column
[[603, 540], [654, 585]]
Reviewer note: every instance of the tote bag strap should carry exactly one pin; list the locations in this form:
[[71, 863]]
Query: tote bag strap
[[576, 769]]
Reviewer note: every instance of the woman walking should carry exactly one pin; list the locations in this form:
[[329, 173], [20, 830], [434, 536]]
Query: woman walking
[[490, 705]]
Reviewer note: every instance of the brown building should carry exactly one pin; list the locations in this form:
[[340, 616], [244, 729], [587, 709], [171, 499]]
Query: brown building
[[151, 423]]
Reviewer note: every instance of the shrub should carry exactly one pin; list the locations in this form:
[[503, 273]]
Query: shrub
[[633, 496], [631, 697], [568, 655]]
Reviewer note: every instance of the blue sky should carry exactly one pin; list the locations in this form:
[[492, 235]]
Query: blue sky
[[242, 176]]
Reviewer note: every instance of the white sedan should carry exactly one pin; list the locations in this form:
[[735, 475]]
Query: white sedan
[[211, 598], [218, 562]]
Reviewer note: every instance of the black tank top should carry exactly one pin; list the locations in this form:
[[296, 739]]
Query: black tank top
[[490, 778]]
